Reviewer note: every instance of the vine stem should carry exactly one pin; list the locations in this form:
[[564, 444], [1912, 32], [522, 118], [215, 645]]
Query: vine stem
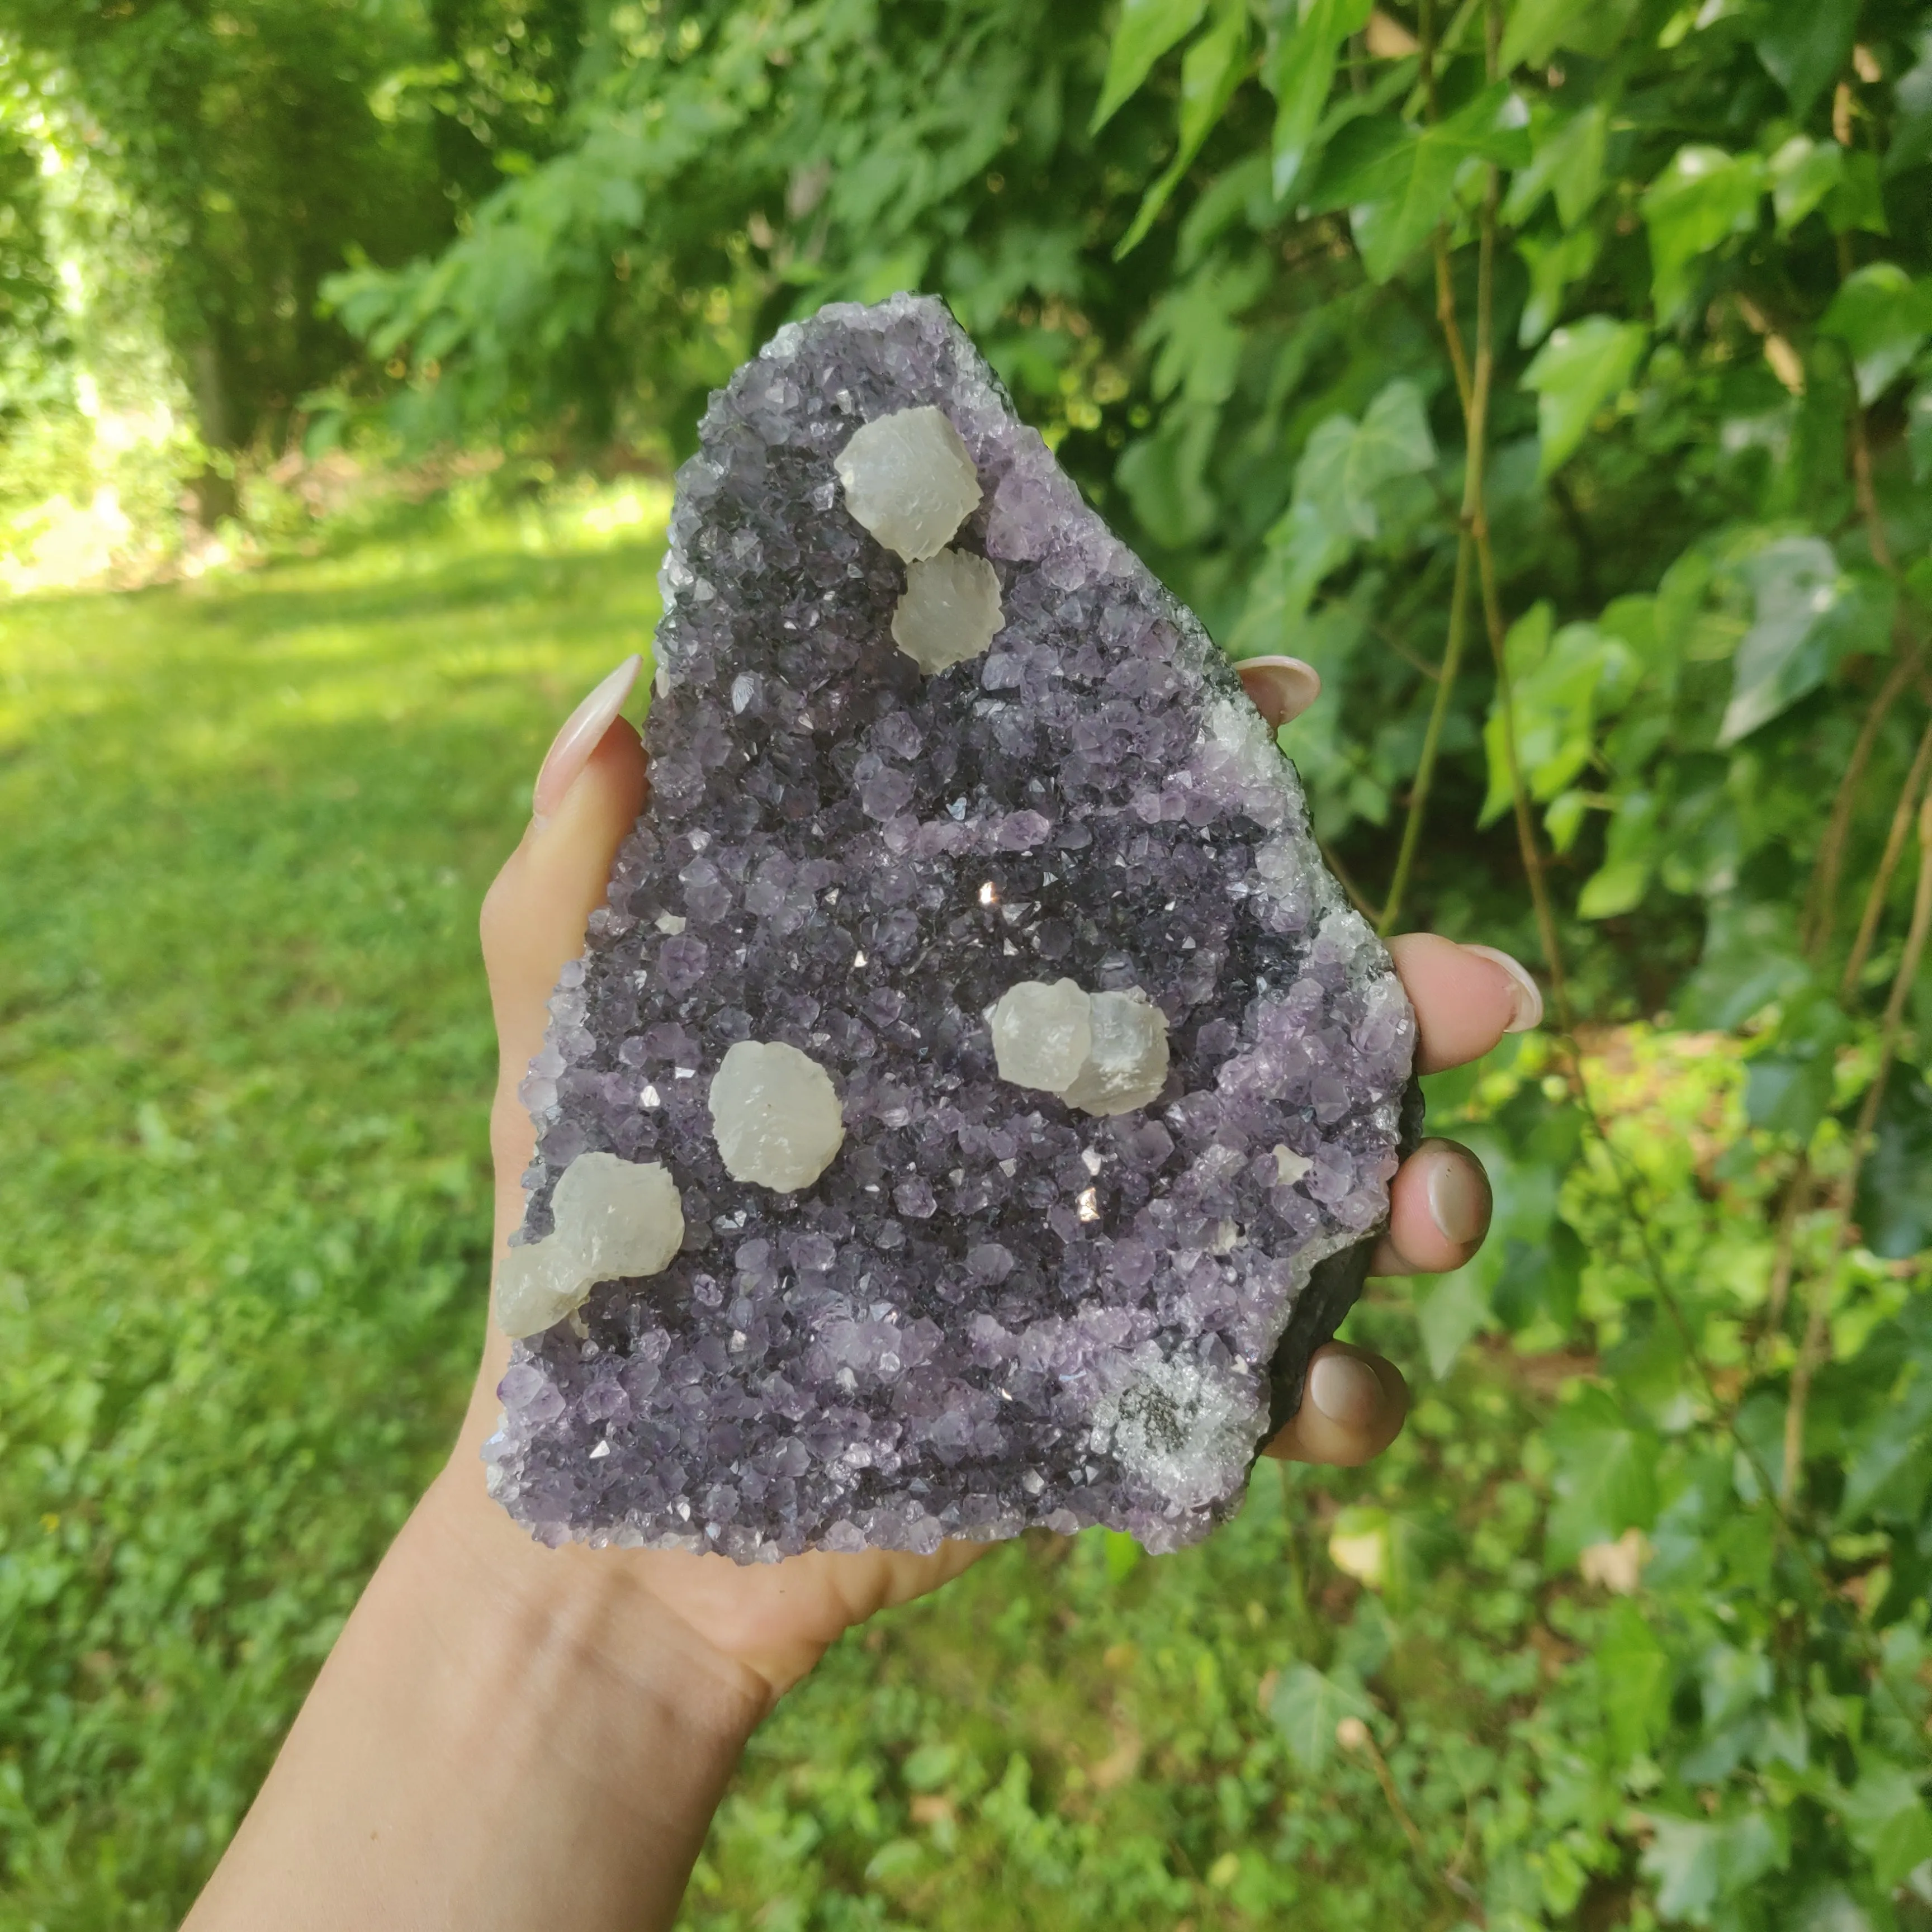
[[1432, 739], [1473, 386], [1811, 1355], [1894, 844], [1821, 901]]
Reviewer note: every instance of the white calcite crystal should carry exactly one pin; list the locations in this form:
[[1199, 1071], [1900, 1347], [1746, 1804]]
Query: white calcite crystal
[[1042, 1033], [1126, 1066], [950, 611], [1105, 1053], [910, 479], [775, 1115], [615, 1220]]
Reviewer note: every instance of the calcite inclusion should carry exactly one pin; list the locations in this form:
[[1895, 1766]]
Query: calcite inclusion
[[992, 1308]]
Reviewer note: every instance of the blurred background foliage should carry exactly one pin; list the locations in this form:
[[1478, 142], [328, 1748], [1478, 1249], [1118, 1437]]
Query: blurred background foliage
[[1555, 375]]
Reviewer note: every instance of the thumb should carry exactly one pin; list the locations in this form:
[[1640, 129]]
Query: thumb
[[589, 795]]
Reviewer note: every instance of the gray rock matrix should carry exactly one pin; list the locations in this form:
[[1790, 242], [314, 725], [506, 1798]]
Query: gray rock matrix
[[991, 1310]]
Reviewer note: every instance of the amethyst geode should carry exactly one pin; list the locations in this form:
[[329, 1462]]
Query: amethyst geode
[[990, 1309]]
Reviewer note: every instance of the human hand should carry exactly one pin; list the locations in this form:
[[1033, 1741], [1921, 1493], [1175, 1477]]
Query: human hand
[[773, 1621]]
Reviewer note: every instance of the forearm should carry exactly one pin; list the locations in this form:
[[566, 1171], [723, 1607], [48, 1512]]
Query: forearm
[[504, 1736]]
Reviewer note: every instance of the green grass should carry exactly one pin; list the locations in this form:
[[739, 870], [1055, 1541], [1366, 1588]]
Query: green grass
[[243, 1075]]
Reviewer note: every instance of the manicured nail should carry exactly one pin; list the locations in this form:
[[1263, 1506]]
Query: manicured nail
[[1529, 995], [1458, 1195], [582, 731], [1345, 1391], [1282, 688]]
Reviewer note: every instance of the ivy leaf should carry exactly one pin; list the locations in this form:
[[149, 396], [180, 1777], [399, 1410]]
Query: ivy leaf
[[1890, 1441], [1919, 431], [1888, 1819], [1396, 180], [1209, 73], [1704, 195], [1807, 615], [1630, 852], [1299, 73], [1882, 316], [1634, 1679], [1580, 368], [1308, 1706], [1803, 173], [1803, 46], [1788, 1086], [1696, 1863], [1568, 162], [1894, 1211], [1605, 1476], [1394, 440], [1911, 141], [1148, 29], [1536, 29]]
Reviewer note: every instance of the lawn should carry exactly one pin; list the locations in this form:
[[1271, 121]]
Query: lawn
[[243, 1062]]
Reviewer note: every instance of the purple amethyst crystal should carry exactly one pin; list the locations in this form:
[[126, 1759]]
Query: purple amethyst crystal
[[991, 1309]]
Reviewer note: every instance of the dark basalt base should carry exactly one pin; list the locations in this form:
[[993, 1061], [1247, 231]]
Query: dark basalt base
[[990, 1311]]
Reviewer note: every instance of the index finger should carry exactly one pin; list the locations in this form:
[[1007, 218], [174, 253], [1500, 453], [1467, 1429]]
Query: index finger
[[1466, 997]]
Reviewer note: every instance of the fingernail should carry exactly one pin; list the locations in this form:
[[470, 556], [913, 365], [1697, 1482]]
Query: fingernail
[[1529, 993], [1281, 688], [582, 731], [1459, 1196], [1345, 1390]]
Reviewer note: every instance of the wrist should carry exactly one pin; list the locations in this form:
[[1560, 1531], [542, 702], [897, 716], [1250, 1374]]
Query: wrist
[[591, 1608]]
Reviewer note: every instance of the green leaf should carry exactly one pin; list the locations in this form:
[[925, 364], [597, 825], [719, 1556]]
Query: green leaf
[[1344, 466], [1911, 141], [1211, 71], [1561, 687], [1703, 196], [1696, 1863], [1919, 431], [1789, 1088], [1393, 441], [1894, 1211], [1535, 29], [1299, 71], [1858, 199], [1308, 1706], [1396, 181], [1567, 161], [1554, 263], [1806, 616], [1449, 1311], [1147, 28], [1605, 1476], [1883, 317], [1633, 1679], [1805, 46], [1582, 367], [1890, 1442], [1888, 1820], [1629, 855], [1803, 173]]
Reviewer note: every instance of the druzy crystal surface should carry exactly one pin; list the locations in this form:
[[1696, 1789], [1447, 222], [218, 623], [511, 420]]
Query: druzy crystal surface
[[992, 1308]]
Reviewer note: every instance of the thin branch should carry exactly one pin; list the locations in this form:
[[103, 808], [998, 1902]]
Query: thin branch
[[1431, 738], [1881, 884], [1481, 376], [1813, 1355], [1413, 659], [1821, 901], [1797, 1198]]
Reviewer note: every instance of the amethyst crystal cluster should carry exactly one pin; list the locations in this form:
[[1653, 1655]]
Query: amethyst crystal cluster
[[984, 768]]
